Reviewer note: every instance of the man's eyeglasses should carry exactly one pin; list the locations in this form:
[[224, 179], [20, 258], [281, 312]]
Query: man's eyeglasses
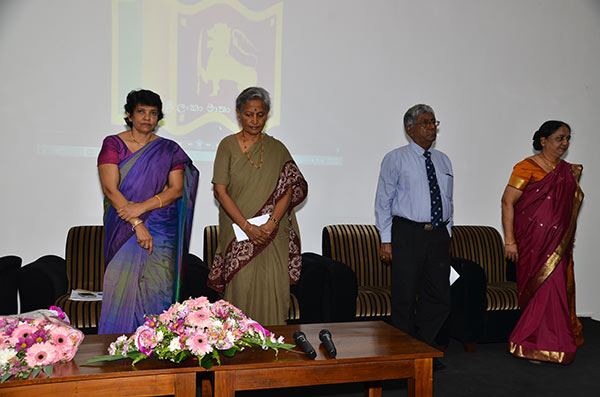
[[428, 123]]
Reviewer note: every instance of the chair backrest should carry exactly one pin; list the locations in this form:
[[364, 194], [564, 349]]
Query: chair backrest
[[482, 245], [85, 257], [9, 269], [358, 247], [211, 240]]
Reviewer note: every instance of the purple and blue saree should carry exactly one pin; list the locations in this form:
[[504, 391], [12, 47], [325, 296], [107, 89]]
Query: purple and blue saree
[[136, 283]]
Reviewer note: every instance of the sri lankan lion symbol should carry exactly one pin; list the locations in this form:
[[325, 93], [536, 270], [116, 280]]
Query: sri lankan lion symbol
[[221, 65]]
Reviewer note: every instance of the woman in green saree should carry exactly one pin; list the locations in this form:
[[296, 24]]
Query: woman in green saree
[[254, 174]]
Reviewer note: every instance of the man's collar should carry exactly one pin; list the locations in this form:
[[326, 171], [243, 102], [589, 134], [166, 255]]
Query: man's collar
[[418, 149]]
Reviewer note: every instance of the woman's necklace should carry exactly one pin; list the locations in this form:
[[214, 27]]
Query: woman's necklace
[[139, 143], [548, 163], [262, 150]]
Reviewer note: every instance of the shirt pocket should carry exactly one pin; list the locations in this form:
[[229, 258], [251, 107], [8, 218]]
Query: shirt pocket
[[446, 181]]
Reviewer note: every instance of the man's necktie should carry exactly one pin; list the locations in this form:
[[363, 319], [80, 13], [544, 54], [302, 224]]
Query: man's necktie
[[434, 190]]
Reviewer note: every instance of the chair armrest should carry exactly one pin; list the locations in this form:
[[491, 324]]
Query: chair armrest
[[195, 275], [41, 282], [468, 301], [511, 271]]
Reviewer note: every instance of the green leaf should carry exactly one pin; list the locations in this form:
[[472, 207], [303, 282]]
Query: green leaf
[[5, 377], [182, 355], [206, 362], [229, 352], [216, 357], [106, 358], [35, 372], [48, 370], [138, 356]]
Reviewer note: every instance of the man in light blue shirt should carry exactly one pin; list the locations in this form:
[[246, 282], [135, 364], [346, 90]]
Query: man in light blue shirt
[[414, 209]]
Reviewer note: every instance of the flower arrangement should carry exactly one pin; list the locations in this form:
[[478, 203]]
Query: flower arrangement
[[34, 342], [193, 328]]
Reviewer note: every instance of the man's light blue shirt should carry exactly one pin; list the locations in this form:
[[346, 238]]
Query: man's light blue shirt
[[403, 189]]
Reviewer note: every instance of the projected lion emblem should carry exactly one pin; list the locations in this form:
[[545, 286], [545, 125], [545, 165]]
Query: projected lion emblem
[[221, 64]]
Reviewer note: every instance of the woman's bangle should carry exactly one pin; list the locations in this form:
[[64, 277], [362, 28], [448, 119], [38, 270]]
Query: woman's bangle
[[135, 224], [274, 220], [159, 201], [509, 244]]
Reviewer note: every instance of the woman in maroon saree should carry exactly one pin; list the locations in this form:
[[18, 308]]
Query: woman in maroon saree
[[539, 215]]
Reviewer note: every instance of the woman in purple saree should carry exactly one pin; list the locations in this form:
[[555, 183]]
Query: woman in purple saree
[[150, 186], [539, 214]]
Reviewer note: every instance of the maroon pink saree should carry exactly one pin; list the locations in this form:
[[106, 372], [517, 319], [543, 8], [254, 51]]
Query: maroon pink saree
[[544, 226]]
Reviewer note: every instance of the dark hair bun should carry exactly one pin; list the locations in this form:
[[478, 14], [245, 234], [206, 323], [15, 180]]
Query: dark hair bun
[[548, 128]]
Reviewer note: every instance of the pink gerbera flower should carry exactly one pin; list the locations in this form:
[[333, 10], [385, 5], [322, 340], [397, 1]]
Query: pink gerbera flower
[[41, 354], [199, 318], [60, 339], [197, 302], [198, 344], [23, 331], [169, 314]]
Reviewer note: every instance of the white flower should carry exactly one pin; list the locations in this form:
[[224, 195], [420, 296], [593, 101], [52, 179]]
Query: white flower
[[5, 355], [174, 345]]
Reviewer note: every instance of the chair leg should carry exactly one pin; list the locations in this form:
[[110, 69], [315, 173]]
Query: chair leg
[[470, 347]]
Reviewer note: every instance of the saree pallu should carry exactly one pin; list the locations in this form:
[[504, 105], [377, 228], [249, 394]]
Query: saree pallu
[[135, 283], [544, 226], [256, 278]]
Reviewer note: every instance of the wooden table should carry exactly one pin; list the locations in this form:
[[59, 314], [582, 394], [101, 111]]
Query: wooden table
[[368, 352]]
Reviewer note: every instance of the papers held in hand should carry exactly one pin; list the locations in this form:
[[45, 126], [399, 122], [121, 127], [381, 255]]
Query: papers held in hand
[[83, 295], [258, 221]]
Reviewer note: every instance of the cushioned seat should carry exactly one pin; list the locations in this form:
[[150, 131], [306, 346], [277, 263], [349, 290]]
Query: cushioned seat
[[358, 247], [85, 270]]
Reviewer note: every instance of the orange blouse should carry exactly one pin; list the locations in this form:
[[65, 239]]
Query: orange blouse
[[526, 172]]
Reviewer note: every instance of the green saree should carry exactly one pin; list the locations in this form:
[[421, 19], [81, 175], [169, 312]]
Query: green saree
[[256, 278]]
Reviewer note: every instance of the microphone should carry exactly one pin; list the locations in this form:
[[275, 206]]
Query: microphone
[[327, 341], [304, 344]]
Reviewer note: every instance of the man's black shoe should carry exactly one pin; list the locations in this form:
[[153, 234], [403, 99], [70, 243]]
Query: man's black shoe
[[438, 365]]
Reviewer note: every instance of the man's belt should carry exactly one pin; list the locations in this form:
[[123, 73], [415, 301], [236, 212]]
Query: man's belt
[[427, 226]]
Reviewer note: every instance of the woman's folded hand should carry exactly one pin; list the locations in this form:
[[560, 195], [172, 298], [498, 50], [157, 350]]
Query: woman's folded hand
[[258, 234], [130, 211]]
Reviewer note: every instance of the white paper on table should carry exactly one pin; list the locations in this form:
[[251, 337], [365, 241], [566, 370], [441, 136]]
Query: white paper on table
[[258, 221], [453, 275], [84, 295]]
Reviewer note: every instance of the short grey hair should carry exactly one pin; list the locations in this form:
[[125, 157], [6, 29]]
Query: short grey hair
[[253, 93], [411, 115]]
